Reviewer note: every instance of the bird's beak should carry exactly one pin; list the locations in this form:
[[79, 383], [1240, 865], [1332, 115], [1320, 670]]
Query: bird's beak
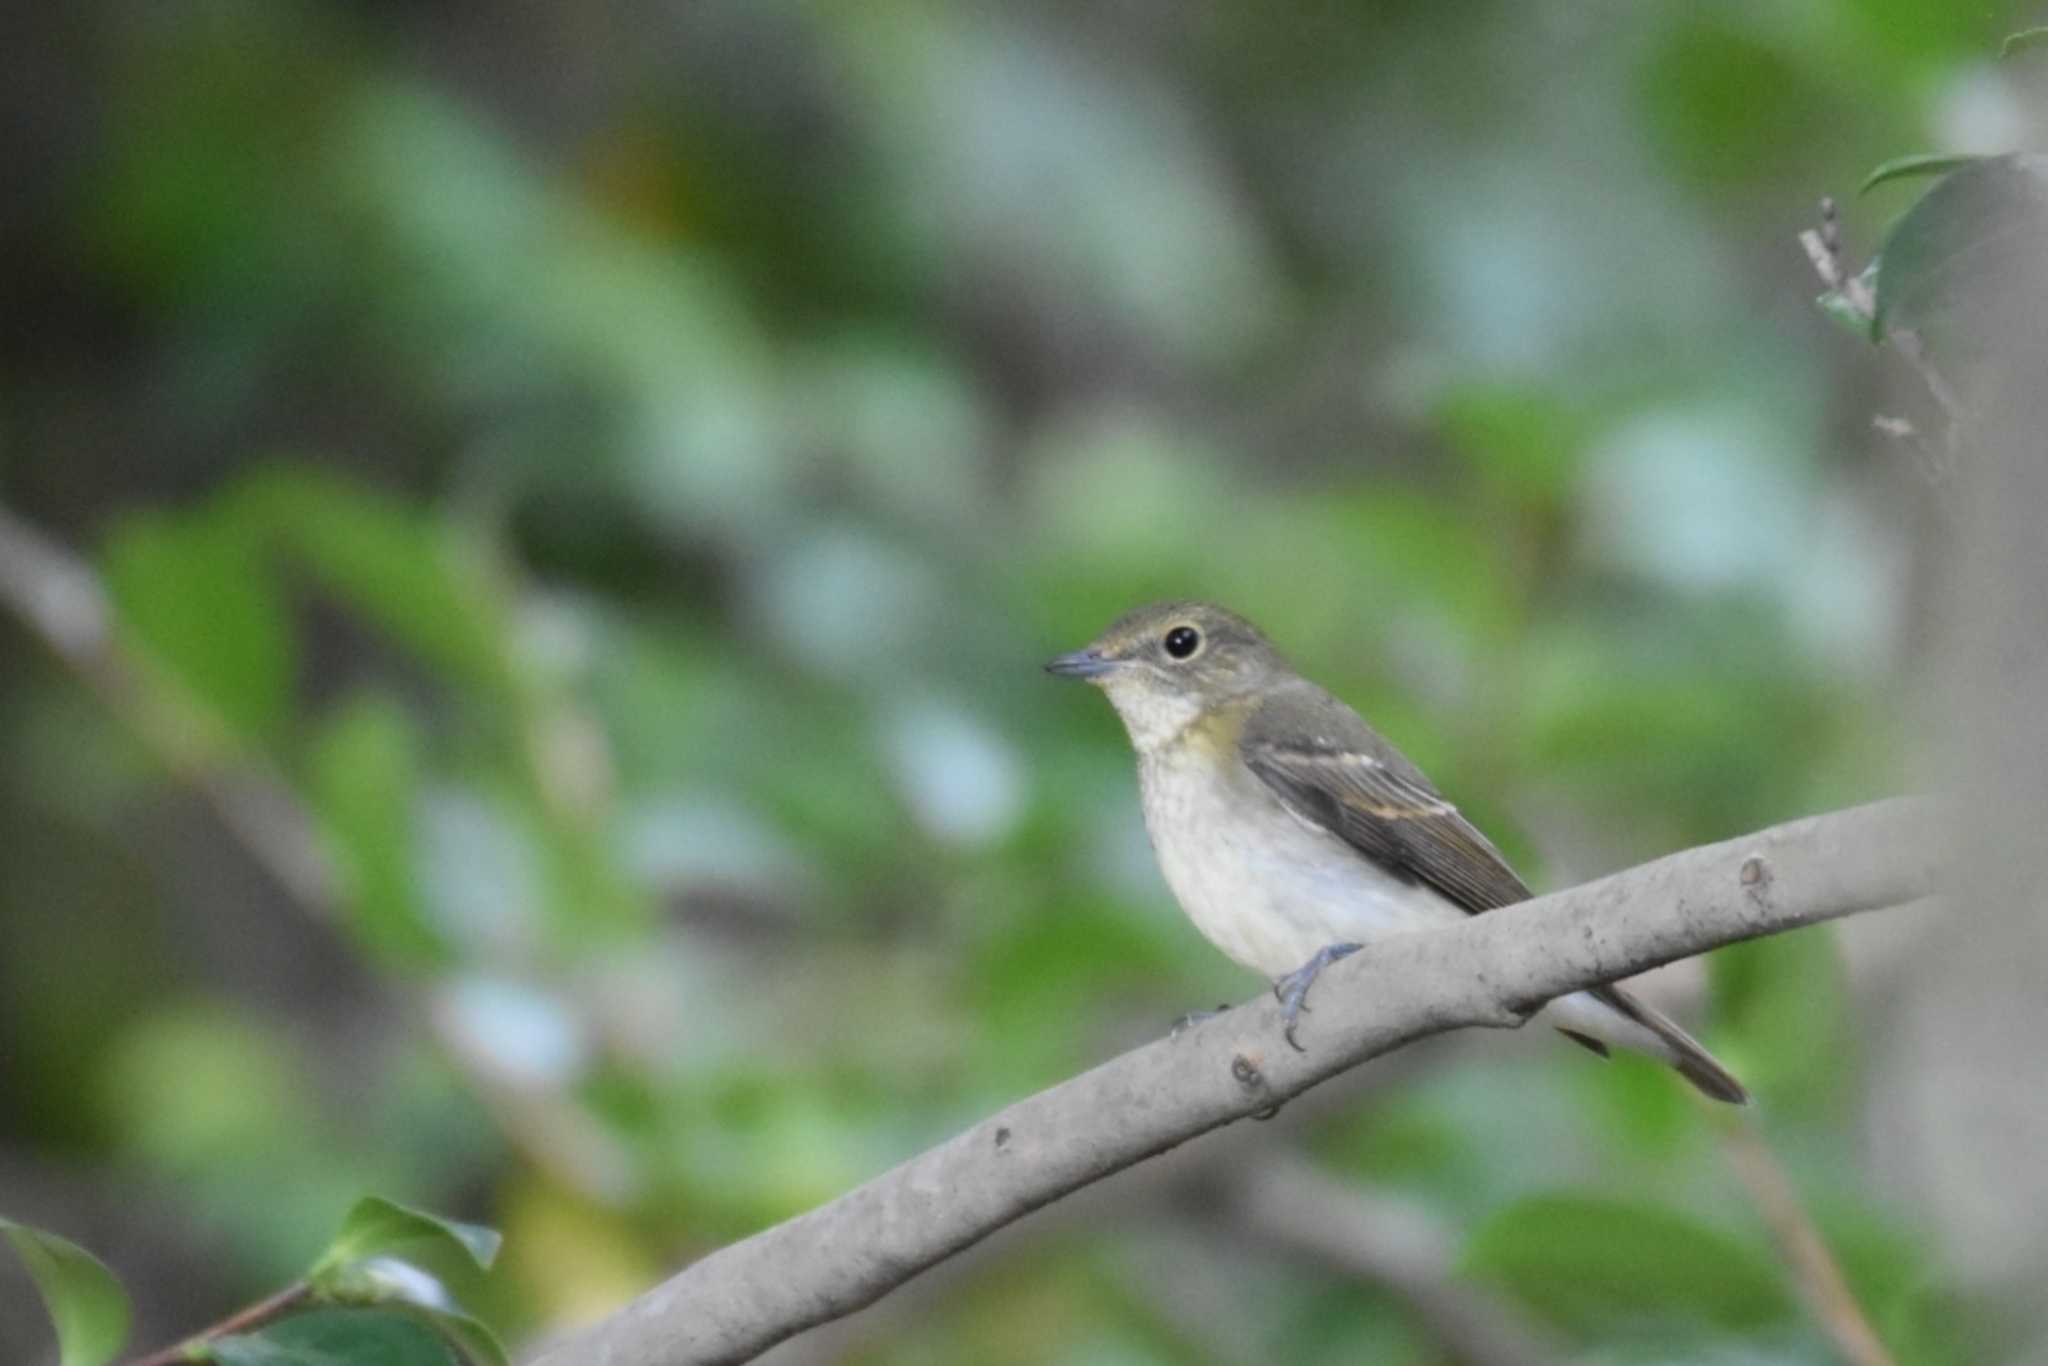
[[1080, 664]]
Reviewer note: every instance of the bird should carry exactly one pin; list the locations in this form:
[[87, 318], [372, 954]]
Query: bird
[[1293, 834]]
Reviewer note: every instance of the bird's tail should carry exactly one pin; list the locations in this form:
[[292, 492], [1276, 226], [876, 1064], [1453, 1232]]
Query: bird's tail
[[1588, 1018]]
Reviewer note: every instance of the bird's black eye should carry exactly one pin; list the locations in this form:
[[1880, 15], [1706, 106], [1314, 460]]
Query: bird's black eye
[[1183, 641]]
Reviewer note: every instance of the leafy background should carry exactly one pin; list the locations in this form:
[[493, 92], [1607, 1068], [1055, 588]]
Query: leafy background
[[609, 474]]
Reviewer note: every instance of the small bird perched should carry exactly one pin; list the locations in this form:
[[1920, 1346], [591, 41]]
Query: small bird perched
[[1292, 833]]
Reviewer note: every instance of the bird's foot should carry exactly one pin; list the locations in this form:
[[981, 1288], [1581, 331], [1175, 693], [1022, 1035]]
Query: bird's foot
[[1292, 990], [1193, 1018]]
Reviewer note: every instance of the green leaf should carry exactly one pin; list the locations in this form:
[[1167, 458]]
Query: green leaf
[[376, 1227], [387, 1280], [1640, 1105], [195, 592], [1918, 164], [2025, 39], [365, 778], [86, 1303], [339, 1337], [478, 1344], [1780, 1009], [1836, 305], [1594, 1263], [391, 562], [1957, 247]]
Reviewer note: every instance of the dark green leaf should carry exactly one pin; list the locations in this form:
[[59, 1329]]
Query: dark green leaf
[[1959, 246], [387, 1280], [365, 776], [1595, 1263], [1919, 164], [376, 1227], [194, 590], [476, 1342], [338, 1337], [87, 1305], [2025, 39]]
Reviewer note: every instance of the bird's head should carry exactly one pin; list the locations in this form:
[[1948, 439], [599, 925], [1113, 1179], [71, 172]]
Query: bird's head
[[1166, 665]]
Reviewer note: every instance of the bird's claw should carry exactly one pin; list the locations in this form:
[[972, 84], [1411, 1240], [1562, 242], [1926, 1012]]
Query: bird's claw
[[1292, 990]]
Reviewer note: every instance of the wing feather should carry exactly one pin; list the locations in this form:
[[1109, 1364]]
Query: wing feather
[[1333, 770]]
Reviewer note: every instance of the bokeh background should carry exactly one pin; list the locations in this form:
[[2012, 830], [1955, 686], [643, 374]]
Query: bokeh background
[[581, 494]]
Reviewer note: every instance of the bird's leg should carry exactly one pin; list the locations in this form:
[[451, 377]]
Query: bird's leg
[[1193, 1018], [1292, 990]]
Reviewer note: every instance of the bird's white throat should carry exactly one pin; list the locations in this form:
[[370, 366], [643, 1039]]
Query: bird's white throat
[[1153, 715]]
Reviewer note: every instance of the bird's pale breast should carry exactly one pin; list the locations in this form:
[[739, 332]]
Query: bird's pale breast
[[1265, 886]]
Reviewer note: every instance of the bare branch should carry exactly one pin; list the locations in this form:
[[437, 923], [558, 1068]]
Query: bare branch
[[1490, 970]]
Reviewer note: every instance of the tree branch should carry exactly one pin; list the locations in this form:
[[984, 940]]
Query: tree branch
[[1490, 970]]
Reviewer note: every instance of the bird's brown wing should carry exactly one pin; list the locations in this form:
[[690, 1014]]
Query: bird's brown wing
[[1333, 770]]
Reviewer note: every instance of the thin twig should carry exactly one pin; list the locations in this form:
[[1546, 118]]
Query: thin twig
[[1823, 247], [264, 1311], [1814, 1269]]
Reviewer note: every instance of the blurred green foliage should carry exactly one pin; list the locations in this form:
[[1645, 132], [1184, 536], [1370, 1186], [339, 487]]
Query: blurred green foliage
[[88, 1308], [360, 1302], [611, 475]]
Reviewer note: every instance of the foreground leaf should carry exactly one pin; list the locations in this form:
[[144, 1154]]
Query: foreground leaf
[[2021, 41], [476, 1342], [338, 1337], [86, 1303], [1960, 245], [377, 1226], [391, 1281], [1919, 164]]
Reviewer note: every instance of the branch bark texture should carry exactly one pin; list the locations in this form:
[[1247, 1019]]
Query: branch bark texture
[[1491, 970]]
